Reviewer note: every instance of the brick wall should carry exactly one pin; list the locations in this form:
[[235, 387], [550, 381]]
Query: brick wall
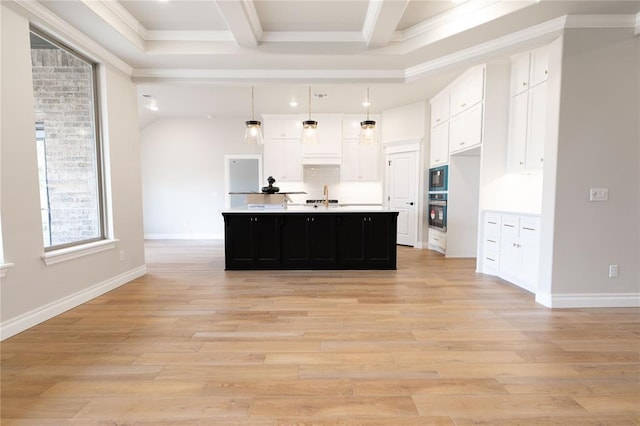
[[64, 103]]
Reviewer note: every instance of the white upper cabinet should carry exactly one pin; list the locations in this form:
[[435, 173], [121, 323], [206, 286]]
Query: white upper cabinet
[[468, 90], [440, 108], [539, 66], [439, 153], [282, 160], [465, 130], [527, 115], [282, 127], [360, 162], [519, 73]]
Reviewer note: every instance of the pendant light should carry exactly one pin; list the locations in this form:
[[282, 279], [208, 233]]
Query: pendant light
[[309, 128], [368, 131], [253, 133]]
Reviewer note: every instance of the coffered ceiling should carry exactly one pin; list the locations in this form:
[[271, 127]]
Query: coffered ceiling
[[200, 56]]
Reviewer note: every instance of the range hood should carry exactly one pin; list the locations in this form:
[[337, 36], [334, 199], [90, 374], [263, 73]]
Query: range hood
[[321, 160]]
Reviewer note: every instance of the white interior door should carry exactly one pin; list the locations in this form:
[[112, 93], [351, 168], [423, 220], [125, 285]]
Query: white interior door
[[402, 194]]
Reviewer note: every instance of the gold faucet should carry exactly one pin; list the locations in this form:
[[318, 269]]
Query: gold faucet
[[326, 195]]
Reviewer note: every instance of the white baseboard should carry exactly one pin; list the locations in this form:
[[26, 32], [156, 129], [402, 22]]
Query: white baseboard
[[589, 300], [27, 320], [183, 236]]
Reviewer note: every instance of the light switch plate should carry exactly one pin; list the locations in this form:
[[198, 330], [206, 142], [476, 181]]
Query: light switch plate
[[599, 194]]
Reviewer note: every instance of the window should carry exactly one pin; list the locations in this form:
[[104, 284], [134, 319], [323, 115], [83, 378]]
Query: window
[[68, 144]]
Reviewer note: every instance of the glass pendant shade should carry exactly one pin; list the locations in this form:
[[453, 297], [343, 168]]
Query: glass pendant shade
[[368, 131], [309, 134], [253, 132]]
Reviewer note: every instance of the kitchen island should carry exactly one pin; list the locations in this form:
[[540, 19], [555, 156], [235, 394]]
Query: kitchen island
[[307, 237]]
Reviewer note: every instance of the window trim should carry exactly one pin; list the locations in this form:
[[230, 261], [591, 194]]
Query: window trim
[[99, 146], [74, 252]]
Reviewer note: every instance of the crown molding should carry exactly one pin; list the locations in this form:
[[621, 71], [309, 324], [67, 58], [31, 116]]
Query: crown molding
[[124, 15], [602, 21], [42, 18], [544, 30], [435, 23], [105, 11], [265, 75]]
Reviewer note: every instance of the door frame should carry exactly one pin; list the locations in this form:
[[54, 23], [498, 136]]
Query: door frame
[[409, 145], [227, 161]]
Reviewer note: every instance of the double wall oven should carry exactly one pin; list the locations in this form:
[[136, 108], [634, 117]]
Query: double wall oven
[[437, 203]]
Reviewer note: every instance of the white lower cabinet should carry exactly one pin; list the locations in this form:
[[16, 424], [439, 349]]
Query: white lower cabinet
[[511, 248], [437, 240]]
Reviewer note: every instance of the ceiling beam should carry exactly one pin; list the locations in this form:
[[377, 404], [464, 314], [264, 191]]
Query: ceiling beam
[[382, 20], [242, 20]]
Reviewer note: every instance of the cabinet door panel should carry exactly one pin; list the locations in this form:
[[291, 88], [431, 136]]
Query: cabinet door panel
[[539, 66], [368, 162], [291, 128], [292, 163], [439, 109], [519, 73], [350, 169], [273, 159], [351, 239], [295, 241], [457, 133], [474, 125], [238, 245], [380, 236], [536, 126], [322, 241], [439, 145], [265, 236], [518, 131], [475, 86]]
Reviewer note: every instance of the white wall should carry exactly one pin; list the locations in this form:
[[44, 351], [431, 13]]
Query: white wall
[[597, 147], [183, 177], [31, 291]]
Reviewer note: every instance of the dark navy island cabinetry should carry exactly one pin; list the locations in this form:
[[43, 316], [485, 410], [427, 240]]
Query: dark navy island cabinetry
[[329, 239]]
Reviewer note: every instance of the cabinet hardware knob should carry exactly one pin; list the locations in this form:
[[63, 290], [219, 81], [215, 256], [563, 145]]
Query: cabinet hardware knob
[[521, 163], [524, 83], [541, 160], [410, 203], [546, 72]]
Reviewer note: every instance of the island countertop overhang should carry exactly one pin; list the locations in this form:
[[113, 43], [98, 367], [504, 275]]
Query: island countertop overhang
[[313, 210]]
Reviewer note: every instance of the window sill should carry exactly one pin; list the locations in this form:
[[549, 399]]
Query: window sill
[[4, 267], [70, 253]]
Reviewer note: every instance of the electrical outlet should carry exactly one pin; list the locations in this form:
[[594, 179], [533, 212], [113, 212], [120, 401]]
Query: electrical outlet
[[599, 194], [613, 271], [121, 254]]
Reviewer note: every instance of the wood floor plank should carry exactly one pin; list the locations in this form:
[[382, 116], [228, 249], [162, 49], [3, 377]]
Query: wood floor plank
[[432, 343]]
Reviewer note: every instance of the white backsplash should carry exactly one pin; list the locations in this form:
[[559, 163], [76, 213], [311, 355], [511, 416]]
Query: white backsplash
[[316, 177]]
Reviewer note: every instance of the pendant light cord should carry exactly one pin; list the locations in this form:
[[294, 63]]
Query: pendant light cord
[[252, 115], [309, 102]]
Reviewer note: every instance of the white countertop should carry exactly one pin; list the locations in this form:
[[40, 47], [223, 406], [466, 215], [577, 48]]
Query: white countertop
[[313, 209]]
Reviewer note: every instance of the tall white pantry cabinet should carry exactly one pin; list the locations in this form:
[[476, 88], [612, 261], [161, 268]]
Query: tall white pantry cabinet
[[527, 116]]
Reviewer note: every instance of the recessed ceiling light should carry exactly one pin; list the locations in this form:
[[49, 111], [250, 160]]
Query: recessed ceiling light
[[293, 103], [366, 103]]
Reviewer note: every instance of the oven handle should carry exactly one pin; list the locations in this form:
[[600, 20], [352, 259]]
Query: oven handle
[[438, 203]]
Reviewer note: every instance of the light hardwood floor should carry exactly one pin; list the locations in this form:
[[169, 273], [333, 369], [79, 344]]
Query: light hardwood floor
[[432, 343]]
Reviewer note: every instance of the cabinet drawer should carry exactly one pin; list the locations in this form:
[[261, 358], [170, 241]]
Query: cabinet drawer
[[510, 225], [492, 223], [492, 242], [438, 241], [530, 228]]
